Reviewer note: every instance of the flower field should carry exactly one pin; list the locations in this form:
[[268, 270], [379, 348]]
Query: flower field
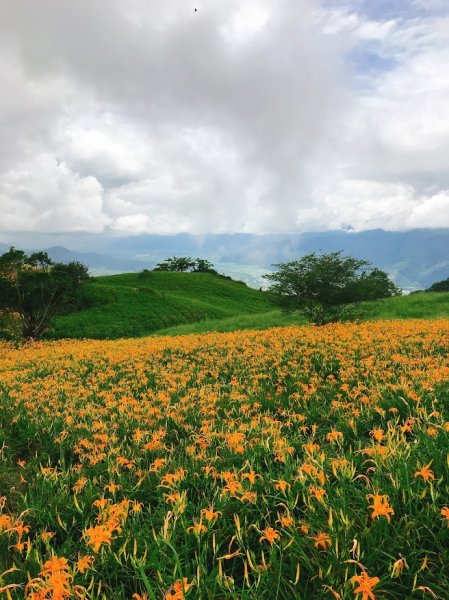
[[299, 462]]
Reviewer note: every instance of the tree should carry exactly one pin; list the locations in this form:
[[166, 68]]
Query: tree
[[377, 284], [181, 264], [439, 286], [203, 266], [177, 264], [33, 289], [328, 287]]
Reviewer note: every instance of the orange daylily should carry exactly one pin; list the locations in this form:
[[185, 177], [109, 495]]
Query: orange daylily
[[365, 585], [197, 529], [425, 472], [270, 535], [380, 506], [210, 514], [322, 540], [178, 590]]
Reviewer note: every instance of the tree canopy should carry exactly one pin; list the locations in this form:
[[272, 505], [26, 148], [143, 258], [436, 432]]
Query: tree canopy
[[326, 287], [439, 286], [33, 289], [182, 264]]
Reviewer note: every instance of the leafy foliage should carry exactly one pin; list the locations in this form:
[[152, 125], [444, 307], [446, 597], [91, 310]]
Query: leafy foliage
[[184, 264], [327, 287], [439, 286], [376, 284], [33, 289]]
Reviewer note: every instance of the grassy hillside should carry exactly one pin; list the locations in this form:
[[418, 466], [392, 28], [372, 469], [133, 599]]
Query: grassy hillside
[[264, 320], [423, 305], [130, 305], [415, 306]]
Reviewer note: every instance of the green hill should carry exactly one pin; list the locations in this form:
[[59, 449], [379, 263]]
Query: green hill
[[415, 306], [164, 303], [421, 305], [132, 305]]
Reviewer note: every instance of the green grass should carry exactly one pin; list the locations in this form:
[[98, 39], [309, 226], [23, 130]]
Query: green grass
[[265, 320], [130, 306], [423, 305], [161, 303]]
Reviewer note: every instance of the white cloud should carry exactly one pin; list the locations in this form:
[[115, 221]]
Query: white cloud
[[146, 116], [249, 20], [431, 211], [43, 195], [366, 204], [388, 154], [342, 20]]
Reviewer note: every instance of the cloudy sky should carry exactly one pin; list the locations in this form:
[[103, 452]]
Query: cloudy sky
[[146, 116]]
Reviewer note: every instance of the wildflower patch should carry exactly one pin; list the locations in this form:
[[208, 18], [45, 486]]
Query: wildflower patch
[[297, 462]]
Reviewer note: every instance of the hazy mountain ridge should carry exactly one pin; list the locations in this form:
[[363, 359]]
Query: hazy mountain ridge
[[414, 259], [97, 262]]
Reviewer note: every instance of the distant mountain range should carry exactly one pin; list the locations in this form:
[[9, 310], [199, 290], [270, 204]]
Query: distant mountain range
[[98, 263], [414, 259]]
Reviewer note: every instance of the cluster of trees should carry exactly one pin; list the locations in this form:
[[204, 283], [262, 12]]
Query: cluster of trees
[[33, 289], [183, 264]]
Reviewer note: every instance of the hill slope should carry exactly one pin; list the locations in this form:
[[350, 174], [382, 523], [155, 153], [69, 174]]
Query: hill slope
[[415, 306], [132, 305]]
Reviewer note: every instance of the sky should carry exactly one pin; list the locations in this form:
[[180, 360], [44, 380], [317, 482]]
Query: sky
[[256, 116]]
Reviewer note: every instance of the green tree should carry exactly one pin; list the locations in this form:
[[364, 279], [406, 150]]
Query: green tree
[[181, 264], [377, 284], [203, 266], [178, 264], [33, 289], [439, 286], [328, 287]]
